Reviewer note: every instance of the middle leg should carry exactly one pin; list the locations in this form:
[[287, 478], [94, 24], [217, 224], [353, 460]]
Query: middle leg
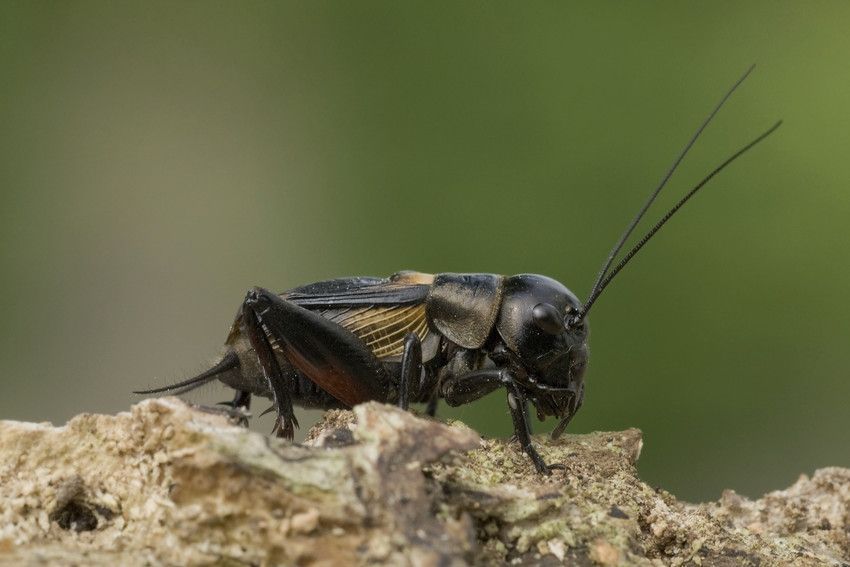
[[411, 368]]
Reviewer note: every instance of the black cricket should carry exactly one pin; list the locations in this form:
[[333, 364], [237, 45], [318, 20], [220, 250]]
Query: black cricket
[[417, 337]]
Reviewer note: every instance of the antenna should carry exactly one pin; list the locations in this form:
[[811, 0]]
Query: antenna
[[601, 285], [619, 245]]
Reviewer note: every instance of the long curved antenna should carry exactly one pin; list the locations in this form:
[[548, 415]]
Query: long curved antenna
[[619, 245], [229, 362], [604, 283]]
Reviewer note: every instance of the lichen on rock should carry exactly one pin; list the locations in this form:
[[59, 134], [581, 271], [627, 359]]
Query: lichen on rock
[[168, 484]]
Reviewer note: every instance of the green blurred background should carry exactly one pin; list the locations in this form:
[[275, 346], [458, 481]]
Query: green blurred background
[[157, 159]]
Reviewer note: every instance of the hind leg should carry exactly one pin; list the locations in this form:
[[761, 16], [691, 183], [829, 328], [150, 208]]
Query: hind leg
[[285, 423], [327, 354]]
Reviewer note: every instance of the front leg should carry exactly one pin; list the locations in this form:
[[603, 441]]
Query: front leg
[[522, 429], [464, 389]]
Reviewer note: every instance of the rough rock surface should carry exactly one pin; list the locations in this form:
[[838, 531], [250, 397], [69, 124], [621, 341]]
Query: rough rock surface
[[168, 484]]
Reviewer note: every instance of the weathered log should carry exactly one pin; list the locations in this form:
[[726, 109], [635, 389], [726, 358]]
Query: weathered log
[[168, 484]]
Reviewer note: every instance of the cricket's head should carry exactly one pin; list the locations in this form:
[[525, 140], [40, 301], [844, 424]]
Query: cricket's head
[[547, 346]]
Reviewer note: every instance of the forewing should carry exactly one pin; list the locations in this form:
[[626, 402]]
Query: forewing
[[379, 311], [383, 328], [401, 289]]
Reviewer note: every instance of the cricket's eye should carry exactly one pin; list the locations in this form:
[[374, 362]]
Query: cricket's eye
[[548, 319]]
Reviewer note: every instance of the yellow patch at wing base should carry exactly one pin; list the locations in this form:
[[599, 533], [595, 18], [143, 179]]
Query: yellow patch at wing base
[[383, 328]]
